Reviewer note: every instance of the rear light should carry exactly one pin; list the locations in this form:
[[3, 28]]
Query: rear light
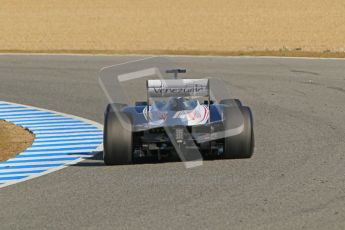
[[179, 135]]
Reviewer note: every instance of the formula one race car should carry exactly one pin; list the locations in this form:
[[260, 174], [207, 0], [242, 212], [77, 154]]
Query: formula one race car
[[177, 117]]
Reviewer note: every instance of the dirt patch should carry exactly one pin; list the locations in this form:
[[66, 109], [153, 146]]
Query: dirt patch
[[220, 27], [13, 140]]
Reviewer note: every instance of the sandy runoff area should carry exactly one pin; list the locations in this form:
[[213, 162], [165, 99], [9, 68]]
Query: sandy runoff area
[[173, 26]]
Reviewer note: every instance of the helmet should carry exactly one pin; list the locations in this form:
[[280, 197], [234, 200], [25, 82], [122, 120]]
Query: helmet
[[176, 103]]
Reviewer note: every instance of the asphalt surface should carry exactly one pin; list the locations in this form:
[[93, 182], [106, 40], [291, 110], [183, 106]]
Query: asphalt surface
[[296, 179]]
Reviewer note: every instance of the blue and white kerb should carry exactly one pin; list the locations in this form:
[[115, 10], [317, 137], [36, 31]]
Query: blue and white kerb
[[60, 140]]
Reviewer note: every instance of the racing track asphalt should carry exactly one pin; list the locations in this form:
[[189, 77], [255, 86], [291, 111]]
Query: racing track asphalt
[[296, 179]]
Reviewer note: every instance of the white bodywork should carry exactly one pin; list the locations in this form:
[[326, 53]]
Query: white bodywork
[[164, 117], [178, 87], [181, 108]]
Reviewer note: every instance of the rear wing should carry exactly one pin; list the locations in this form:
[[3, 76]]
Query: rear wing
[[178, 88]]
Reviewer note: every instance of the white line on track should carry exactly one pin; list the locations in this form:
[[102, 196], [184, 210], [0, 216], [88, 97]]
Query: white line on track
[[21, 113], [13, 163], [65, 142], [89, 137], [61, 147], [69, 134], [46, 157], [56, 127], [38, 119], [10, 106], [12, 110], [44, 124], [22, 169], [90, 150], [28, 116], [84, 131]]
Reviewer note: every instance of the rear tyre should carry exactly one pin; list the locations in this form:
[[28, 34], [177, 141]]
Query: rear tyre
[[117, 139], [242, 144], [231, 102]]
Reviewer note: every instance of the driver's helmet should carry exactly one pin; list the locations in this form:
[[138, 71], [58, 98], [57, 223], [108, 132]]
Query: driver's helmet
[[176, 103]]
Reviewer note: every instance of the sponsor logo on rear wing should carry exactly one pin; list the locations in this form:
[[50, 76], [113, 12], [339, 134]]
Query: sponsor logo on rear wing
[[178, 88]]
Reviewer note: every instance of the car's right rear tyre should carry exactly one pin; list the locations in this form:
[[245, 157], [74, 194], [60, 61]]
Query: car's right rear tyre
[[231, 102], [117, 139], [240, 145]]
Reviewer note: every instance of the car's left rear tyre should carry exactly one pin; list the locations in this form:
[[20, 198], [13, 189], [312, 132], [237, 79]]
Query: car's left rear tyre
[[118, 138]]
